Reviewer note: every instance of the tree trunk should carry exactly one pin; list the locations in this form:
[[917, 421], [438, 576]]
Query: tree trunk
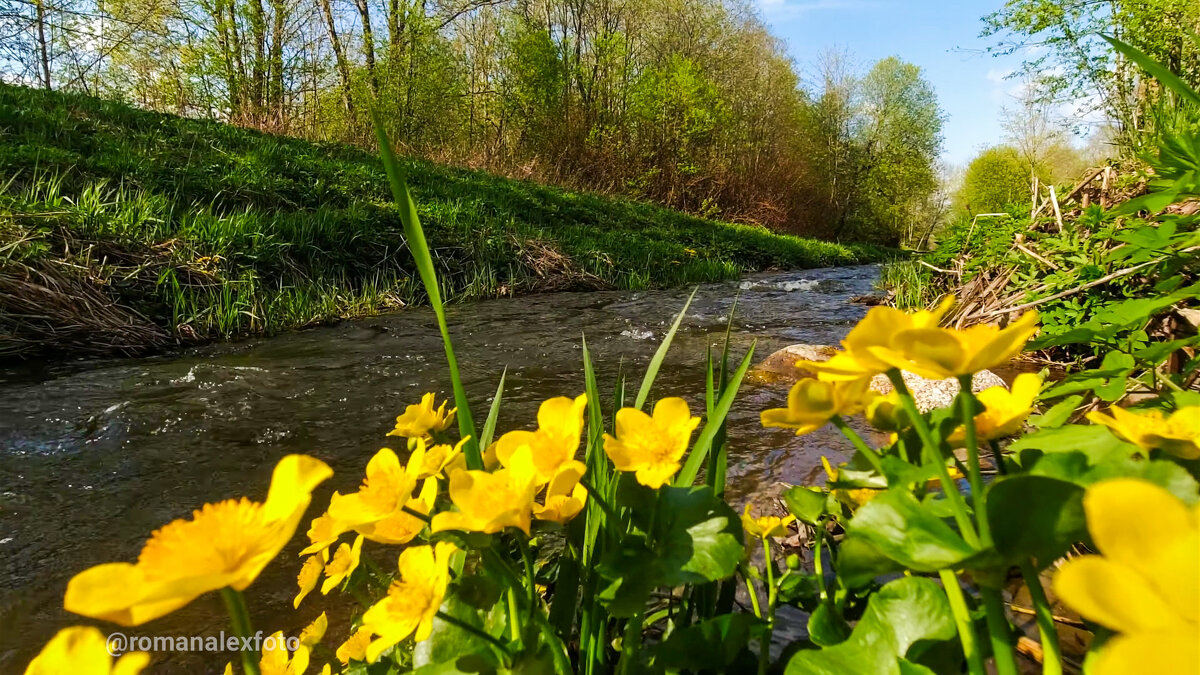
[[275, 98], [43, 45], [339, 55], [368, 45]]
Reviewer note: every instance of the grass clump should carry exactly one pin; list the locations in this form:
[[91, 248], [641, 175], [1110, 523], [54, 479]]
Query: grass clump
[[129, 231]]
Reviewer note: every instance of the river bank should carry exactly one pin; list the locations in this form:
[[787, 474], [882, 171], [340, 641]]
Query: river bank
[[128, 232]]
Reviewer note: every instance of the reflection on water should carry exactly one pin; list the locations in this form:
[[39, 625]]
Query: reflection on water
[[93, 458]]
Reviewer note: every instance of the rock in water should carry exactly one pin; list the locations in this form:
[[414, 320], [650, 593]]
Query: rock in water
[[929, 394]]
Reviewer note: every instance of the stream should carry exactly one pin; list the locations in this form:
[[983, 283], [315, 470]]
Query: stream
[[95, 456]]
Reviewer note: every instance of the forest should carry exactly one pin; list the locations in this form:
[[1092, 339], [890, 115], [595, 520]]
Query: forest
[[689, 103]]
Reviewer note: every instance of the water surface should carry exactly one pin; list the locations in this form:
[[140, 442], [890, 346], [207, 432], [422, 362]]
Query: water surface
[[94, 457]]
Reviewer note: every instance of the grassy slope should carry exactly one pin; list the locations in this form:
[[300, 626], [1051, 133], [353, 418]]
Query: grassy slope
[[126, 230]]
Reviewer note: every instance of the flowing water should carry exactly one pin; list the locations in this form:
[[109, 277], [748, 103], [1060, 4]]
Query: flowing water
[[94, 457]]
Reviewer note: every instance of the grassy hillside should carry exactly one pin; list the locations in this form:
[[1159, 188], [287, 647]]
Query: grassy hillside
[[127, 231]]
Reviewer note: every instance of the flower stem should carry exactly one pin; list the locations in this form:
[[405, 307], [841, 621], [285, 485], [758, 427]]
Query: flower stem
[[962, 621], [631, 645], [527, 558], [1052, 653], [932, 454], [818, 566], [859, 444], [239, 617], [974, 475], [752, 593], [764, 645], [999, 632]]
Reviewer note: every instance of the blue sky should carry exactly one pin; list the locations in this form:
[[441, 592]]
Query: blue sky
[[940, 36]]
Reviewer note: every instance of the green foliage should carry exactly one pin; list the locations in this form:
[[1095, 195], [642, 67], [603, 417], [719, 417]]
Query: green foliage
[[995, 181]]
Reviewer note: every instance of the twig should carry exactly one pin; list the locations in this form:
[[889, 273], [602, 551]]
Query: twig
[[938, 269], [1057, 211], [1057, 619], [1036, 256]]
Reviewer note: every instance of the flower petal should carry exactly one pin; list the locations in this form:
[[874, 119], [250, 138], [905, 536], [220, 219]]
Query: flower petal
[[1166, 652], [1112, 595], [1129, 519]]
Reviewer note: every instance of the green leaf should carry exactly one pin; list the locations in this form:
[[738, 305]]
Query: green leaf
[[860, 562], [489, 425], [906, 531], [826, 627], [1035, 517], [447, 642], [712, 645], [1057, 415], [1075, 467], [807, 505], [713, 425], [1093, 440], [902, 613], [660, 354], [699, 536]]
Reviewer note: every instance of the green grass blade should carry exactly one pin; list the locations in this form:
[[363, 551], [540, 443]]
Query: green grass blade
[[656, 362], [710, 389], [419, 248], [489, 425], [705, 440]]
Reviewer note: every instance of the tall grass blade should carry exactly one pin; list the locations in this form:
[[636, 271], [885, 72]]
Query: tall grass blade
[[489, 425], [656, 362], [419, 248], [707, 435]]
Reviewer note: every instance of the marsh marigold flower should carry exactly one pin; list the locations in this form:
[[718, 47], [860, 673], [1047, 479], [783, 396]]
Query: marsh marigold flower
[[422, 419], [310, 576], [355, 647], [812, 403], [224, 544], [1177, 434], [1145, 584], [82, 649], [490, 502], [560, 426], [854, 497], [565, 496], [277, 660], [428, 461], [652, 445], [887, 413], [345, 561], [871, 337], [765, 527], [377, 510], [412, 601], [1004, 412]]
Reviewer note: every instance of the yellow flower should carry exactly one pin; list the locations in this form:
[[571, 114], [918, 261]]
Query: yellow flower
[[345, 561], [277, 660], [313, 633], [874, 334], [764, 527], [812, 403], [355, 647], [310, 574], [652, 445], [420, 420], [490, 502], [375, 511], [411, 602], [565, 497], [939, 353], [224, 544], [426, 461], [1178, 434], [82, 649], [560, 425], [1145, 584], [401, 527], [1004, 411], [853, 498]]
